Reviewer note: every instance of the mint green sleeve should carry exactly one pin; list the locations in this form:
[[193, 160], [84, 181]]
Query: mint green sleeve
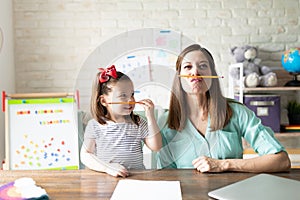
[[260, 137]]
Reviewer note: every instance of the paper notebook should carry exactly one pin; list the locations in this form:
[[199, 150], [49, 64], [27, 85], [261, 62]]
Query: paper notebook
[[262, 186], [147, 190]]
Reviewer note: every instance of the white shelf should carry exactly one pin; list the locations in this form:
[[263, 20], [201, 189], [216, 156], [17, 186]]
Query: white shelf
[[275, 89], [240, 89]]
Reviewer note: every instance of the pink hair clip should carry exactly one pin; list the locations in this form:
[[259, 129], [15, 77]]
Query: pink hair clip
[[106, 73]]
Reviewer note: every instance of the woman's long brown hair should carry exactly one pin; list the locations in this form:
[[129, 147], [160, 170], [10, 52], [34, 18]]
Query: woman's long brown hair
[[217, 105]]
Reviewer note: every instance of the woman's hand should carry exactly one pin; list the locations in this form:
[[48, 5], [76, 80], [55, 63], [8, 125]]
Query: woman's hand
[[115, 169], [206, 164], [266, 163]]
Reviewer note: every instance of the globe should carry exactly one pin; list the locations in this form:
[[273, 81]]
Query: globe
[[290, 61]]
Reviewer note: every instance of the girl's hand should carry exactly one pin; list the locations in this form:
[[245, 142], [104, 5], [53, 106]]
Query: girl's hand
[[115, 169], [206, 164], [149, 107]]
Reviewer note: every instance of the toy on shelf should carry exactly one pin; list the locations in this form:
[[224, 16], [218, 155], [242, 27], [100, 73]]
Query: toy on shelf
[[254, 74], [290, 61]]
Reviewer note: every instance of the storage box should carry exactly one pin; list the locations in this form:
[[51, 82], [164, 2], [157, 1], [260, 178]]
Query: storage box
[[266, 107]]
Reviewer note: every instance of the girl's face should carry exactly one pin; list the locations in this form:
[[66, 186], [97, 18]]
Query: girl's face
[[122, 91], [195, 63]]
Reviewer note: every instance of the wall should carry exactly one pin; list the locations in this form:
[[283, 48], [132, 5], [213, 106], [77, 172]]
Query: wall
[[7, 81], [53, 38]]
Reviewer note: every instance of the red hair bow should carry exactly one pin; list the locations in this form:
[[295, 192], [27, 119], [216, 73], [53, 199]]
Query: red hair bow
[[106, 73]]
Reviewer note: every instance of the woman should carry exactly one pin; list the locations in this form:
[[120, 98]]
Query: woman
[[204, 130]]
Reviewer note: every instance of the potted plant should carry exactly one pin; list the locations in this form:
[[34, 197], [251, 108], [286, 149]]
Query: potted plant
[[293, 109]]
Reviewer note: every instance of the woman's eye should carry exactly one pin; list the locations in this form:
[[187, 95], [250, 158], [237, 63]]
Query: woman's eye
[[203, 66]]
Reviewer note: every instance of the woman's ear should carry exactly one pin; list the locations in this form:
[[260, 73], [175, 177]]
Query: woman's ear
[[103, 101]]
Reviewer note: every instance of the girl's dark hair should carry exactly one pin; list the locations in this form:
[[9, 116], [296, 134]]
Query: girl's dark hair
[[98, 111], [217, 105]]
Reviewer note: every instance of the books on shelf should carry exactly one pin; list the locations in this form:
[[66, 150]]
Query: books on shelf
[[290, 128]]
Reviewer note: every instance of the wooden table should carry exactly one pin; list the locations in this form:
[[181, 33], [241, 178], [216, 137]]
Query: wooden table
[[87, 184]]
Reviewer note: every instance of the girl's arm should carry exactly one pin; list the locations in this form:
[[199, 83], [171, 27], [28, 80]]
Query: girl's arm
[[154, 140], [266, 163], [92, 162]]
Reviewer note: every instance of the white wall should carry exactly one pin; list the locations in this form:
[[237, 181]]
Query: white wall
[[7, 69], [54, 38]]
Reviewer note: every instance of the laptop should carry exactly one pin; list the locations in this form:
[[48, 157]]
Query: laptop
[[262, 186]]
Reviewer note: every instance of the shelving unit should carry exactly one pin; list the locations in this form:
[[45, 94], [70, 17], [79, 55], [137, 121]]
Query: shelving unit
[[278, 90], [290, 140], [236, 88], [282, 91]]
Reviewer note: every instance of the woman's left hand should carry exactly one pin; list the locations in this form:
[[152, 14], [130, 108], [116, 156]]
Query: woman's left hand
[[206, 164]]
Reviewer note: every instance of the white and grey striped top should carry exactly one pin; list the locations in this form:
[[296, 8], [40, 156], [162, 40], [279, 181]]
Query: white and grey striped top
[[118, 142]]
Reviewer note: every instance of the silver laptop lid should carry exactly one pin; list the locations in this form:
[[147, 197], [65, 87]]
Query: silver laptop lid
[[262, 186]]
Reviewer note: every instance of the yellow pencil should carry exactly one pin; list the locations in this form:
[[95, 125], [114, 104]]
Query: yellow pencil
[[190, 76], [123, 102]]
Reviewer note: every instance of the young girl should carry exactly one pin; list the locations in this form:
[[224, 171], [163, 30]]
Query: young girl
[[113, 138]]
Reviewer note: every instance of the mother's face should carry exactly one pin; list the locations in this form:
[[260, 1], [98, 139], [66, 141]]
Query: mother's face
[[195, 63]]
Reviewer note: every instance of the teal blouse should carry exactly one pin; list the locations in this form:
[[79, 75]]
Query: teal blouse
[[181, 148]]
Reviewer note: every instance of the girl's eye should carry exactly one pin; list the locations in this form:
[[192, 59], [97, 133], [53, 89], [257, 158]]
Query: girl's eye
[[187, 66], [132, 95], [123, 96]]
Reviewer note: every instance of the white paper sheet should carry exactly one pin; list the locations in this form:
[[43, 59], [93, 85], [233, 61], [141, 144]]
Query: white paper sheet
[[147, 190]]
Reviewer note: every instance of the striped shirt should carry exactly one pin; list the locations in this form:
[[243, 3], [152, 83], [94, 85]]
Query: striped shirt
[[118, 142]]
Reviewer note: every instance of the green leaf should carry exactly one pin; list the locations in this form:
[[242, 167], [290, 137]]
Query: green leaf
[[293, 107]]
